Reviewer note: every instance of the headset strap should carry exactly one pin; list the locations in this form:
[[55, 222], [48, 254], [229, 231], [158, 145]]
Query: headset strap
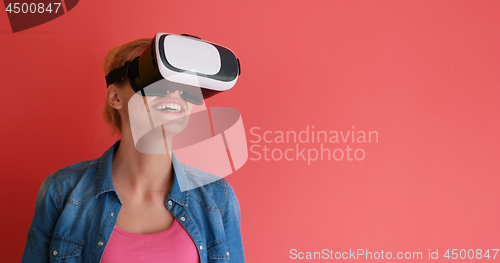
[[129, 70]]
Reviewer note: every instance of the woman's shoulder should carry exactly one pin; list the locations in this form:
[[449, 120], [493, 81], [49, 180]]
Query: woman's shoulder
[[204, 178], [73, 173], [77, 168], [205, 185], [63, 182]]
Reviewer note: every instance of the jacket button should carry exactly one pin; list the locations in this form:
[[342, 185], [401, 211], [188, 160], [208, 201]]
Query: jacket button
[[201, 247], [111, 214], [54, 252], [183, 219], [100, 243], [169, 202]]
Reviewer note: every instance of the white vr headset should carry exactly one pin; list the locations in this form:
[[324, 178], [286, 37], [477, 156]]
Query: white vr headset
[[180, 62]]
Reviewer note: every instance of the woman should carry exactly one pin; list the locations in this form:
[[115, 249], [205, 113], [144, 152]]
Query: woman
[[127, 206]]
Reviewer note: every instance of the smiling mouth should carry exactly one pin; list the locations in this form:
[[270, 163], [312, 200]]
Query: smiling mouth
[[171, 107]]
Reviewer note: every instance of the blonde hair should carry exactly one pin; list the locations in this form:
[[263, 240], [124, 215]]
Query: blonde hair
[[115, 59]]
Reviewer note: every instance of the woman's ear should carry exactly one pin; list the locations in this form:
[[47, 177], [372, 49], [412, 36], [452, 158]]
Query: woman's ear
[[113, 98]]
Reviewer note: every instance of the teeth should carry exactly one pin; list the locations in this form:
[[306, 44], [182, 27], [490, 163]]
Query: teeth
[[169, 106]]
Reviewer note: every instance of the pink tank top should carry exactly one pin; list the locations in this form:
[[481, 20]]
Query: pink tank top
[[171, 245]]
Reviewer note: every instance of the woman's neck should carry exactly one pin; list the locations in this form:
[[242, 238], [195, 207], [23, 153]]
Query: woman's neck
[[139, 172]]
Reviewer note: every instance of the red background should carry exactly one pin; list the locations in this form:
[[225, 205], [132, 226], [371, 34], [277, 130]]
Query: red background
[[424, 74]]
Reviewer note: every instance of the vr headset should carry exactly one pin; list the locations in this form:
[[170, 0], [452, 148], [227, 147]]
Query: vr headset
[[198, 68]]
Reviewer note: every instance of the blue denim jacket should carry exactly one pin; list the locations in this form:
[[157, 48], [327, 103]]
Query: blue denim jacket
[[77, 207]]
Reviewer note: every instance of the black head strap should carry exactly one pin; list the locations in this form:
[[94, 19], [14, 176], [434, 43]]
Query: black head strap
[[129, 70]]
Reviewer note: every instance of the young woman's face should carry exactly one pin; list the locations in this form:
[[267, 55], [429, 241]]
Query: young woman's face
[[170, 111], [150, 115]]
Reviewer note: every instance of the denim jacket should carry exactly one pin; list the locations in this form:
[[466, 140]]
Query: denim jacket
[[77, 207]]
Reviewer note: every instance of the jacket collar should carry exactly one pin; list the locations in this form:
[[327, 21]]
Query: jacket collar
[[104, 180]]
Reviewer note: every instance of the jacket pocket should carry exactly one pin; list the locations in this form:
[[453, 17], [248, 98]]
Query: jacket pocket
[[218, 252], [65, 250]]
